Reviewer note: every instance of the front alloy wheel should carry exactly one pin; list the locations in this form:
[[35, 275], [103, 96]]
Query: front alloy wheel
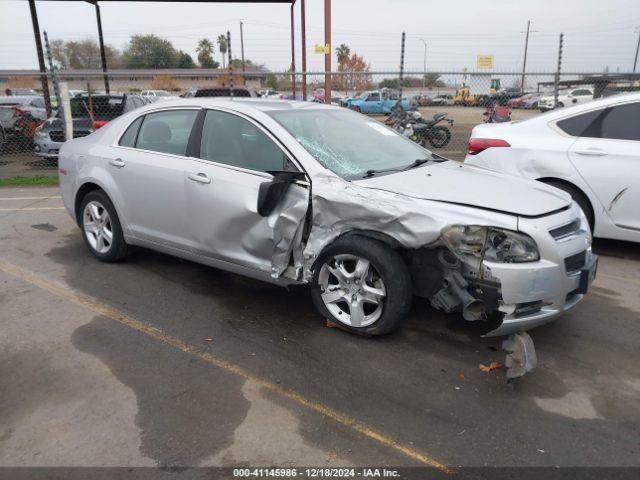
[[352, 290], [362, 284]]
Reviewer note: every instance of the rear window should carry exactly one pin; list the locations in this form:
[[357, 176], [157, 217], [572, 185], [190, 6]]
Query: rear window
[[104, 107]]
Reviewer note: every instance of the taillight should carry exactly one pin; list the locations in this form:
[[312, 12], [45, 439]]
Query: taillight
[[99, 124], [477, 145]]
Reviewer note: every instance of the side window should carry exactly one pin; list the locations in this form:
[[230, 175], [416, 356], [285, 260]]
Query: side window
[[128, 138], [166, 132], [374, 97], [584, 125], [232, 140], [622, 122]]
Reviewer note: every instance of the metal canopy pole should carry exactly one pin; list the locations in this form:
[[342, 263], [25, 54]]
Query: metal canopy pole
[[103, 56], [244, 79], [327, 54], [43, 69], [293, 54], [303, 46]]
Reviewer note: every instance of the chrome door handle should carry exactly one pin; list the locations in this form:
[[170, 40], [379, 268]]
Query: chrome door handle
[[592, 152], [199, 177], [118, 162]]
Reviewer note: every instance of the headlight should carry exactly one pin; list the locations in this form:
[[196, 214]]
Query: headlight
[[473, 243], [38, 131]]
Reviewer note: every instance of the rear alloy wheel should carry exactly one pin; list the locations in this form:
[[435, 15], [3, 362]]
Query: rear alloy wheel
[[101, 227], [363, 285]]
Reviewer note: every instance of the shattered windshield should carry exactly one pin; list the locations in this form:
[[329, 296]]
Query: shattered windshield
[[347, 143]]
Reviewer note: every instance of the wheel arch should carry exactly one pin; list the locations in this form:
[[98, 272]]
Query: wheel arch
[[85, 188], [572, 186]]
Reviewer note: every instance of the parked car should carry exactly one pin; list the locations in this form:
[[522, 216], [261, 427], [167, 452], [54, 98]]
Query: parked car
[[531, 103], [21, 92], [377, 102], [19, 117], [220, 92], [566, 98], [591, 151], [50, 136], [304, 193], [155, 95], [520, 101], [267, 93], [443, 99]]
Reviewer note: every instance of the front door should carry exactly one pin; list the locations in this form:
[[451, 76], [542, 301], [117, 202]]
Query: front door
[[373, 103], [222, 190]]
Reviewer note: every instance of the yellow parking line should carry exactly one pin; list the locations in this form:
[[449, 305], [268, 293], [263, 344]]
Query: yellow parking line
[[29, 198], [95, 306], [29, 209]]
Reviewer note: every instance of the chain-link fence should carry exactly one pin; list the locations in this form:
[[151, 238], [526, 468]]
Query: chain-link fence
[[30, 135]]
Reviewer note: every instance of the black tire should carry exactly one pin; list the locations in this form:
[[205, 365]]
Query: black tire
[[439, 136], [388, 267], [118, 248], [579, 197], [357, 109], [560, 105]]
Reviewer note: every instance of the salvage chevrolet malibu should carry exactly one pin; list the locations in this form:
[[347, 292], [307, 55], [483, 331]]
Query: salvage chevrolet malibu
[[294, 192]]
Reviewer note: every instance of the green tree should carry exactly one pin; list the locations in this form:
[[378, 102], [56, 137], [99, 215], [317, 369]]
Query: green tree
[[272, 81], [185, 61], [205, 50], [343, 52], [222, 46], [432, 80], [150, 51], [83, 54]]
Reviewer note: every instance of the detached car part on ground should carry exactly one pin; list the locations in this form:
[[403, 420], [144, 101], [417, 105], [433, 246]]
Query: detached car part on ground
[[294, 193]]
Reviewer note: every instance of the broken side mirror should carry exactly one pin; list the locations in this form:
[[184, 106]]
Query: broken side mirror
[[270, 193]]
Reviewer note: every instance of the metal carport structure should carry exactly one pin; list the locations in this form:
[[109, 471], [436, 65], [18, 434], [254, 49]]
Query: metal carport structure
[[95, 3]]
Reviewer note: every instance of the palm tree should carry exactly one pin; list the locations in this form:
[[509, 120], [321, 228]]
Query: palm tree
[[222, 46], [204, 50], [343, 52]]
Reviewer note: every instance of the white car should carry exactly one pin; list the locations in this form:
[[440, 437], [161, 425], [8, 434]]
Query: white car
[[591, 151], [565, 99], [155, 95]]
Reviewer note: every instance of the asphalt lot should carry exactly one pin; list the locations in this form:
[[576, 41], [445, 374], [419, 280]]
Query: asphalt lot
[[159, 361]]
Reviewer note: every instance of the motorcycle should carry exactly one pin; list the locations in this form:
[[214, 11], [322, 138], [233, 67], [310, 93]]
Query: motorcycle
[[496, 114], [414, 126]]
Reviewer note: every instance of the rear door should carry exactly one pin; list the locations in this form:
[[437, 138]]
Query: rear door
[[222, 190], [607, 156], [148, 169]]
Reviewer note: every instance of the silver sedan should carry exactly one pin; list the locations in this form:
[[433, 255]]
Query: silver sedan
[[292, 192]]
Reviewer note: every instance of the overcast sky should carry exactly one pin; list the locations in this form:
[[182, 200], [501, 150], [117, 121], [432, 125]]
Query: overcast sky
[[598, 33]]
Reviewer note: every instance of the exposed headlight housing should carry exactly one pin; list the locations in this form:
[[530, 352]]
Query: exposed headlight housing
[[474, 243]]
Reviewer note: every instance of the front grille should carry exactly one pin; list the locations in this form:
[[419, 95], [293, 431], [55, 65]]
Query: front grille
[[575, 262], [566, 230], [59, 136]]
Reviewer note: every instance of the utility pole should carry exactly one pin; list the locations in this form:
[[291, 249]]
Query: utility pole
[[556, 85], [293, 55], [230, 66], [526, 47], [242, 51], [303, 46], [424, 65], [635, 59], [327, 54], [401, 66]]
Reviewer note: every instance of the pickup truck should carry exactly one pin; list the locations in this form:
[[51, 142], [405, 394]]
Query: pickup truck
[[376, 102]]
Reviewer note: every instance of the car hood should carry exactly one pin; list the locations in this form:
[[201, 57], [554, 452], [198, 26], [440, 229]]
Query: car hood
[[463, 184]]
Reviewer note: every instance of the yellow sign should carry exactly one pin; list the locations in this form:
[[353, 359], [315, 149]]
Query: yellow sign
[[485, 61], [323, 49]]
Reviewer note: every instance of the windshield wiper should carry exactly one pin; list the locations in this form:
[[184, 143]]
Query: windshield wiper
[[415, 163]]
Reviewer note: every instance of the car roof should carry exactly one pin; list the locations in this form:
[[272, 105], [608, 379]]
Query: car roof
[[247, 103]]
